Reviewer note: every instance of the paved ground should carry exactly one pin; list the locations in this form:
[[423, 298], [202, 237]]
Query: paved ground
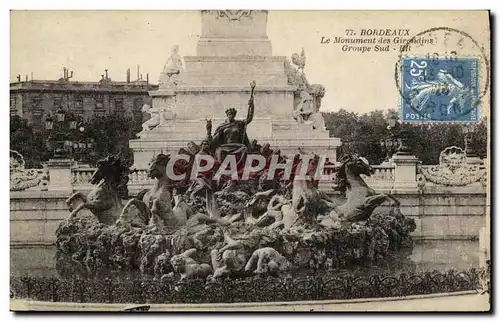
[[462, 301]]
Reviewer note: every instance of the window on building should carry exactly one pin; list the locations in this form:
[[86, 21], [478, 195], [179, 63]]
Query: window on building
[[119, 104], [79, 112], [99, 103], [57, 103], [138, 102], [13, 108], [36, 103], [78, 103], [99, 112]]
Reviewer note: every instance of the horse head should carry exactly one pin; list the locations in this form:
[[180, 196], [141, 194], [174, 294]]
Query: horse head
[[158, 165], [104, 169], [357, 165], [112, 169]]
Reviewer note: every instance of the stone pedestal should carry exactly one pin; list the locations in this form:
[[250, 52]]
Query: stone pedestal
[[233, 50], [60, 174], [285, 135], [405, 173], [234, 33]]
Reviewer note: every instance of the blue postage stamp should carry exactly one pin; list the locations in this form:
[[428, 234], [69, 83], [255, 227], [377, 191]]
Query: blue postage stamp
[[440, 90]]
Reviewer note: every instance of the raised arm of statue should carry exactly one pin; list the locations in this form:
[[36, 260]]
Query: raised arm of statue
[[251, 106], [209, 131], [208, 126]]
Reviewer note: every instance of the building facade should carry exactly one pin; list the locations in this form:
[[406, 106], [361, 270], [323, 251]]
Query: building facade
[[35, 100]]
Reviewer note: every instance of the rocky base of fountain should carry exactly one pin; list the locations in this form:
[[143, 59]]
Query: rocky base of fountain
[[88, 248]]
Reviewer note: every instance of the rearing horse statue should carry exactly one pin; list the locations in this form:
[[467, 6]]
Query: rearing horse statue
[[361, 199], [104, 201], [155, 207]]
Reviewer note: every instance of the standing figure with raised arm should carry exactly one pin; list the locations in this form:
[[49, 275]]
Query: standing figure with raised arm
[[231, 137]]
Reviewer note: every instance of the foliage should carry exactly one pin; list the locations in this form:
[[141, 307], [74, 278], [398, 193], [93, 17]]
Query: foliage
[[332, 285], [111, 134], [362, 134], [25, 141]]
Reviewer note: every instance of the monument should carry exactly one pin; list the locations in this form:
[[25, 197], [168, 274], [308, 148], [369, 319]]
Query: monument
[[234, 50]]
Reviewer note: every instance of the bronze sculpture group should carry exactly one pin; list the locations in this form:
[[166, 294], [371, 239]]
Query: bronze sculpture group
[[274, 206]]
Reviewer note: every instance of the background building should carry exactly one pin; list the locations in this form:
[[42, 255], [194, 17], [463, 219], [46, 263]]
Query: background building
[[36, 100]]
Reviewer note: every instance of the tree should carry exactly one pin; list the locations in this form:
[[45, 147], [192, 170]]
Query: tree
[[362, 134], [26, 142], [111, 134]]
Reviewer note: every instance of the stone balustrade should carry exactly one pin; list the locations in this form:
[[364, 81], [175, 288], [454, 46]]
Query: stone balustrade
[[447, 201], [140, 177], [382, 179], [81, 176], [384, 174], [402, 172]]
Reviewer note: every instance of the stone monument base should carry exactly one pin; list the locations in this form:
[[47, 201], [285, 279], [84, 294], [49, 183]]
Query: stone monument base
[[88, 248], [285, 135]]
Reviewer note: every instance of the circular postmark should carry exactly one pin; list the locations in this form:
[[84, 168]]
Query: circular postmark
[[442, 75]]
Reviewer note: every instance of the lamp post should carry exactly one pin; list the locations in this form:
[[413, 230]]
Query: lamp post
[[56, 142], [83, 146], [399, 134], [388, 146], [468, 130], [49, 122], [72, 122], [60, 115], [393, 142], [66, 135]]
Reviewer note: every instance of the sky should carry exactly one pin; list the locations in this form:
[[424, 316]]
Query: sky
[[87, 42]]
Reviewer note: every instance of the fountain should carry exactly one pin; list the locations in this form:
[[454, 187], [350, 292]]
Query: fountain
[[241, 222], [240, 234], [231, 221]]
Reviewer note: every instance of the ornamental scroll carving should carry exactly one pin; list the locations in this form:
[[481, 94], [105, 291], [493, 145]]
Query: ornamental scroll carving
[[234, 15], [453, 170], [21, 178]]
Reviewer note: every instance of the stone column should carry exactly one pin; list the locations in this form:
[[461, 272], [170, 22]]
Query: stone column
[[60, 177], [405, 172]]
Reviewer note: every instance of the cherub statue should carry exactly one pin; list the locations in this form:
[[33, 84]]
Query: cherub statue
[[267, 260], [273, 214], [230, 258], [188, 268]]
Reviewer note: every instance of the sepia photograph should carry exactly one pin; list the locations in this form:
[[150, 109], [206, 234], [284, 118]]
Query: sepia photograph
[[250, 160]]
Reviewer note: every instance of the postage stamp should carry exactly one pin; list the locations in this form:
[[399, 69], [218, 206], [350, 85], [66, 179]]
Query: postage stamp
[[440, 90]]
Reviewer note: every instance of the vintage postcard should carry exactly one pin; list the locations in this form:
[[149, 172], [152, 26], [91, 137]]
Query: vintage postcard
[[250, 160]]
